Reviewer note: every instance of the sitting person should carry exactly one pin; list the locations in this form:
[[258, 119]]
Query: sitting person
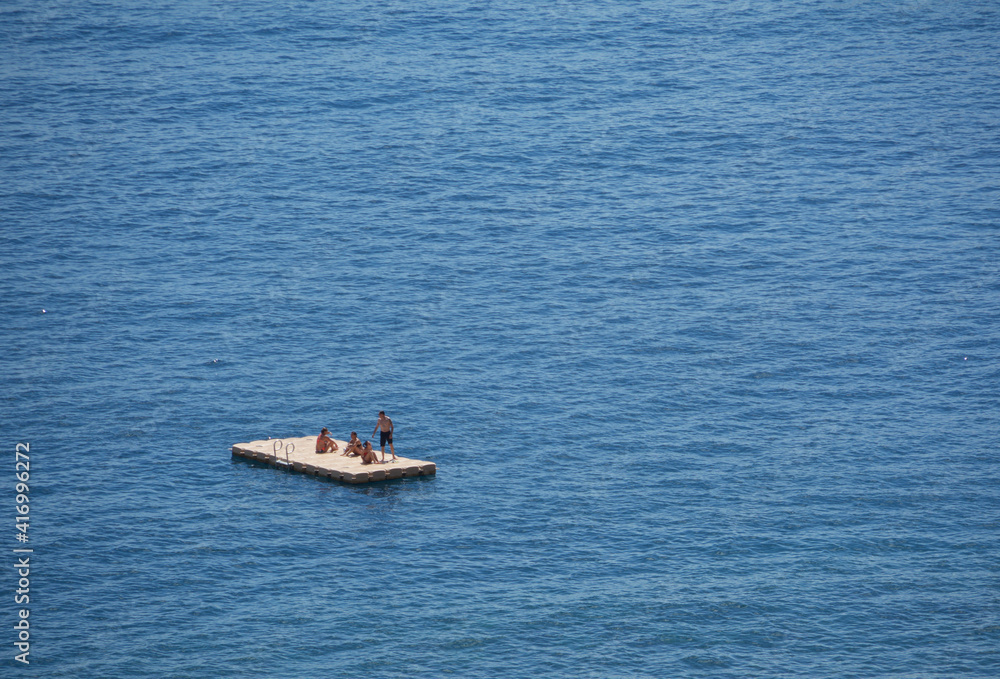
[[353, 446], [325, 444], [367, 454]]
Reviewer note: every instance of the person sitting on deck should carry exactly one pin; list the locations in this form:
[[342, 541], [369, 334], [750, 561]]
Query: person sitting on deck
[[353, 446], [367, 454], [325, 444]]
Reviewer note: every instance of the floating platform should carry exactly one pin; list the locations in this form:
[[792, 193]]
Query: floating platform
[[299, 454]]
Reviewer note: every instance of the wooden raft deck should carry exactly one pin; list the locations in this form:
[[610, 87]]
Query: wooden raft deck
[[305, 460]]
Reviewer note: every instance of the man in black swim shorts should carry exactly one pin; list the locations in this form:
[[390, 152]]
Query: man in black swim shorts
[[384, 427]]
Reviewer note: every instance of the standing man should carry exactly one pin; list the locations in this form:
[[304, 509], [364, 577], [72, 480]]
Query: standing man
[[384, 426]]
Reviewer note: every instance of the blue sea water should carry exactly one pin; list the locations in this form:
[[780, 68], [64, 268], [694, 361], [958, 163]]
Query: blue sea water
[[694, 305]]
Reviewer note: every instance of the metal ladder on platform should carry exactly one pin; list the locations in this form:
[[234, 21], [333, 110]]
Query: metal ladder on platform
[[285, 464]]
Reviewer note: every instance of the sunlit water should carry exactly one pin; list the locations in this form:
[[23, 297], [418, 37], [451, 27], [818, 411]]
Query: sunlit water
[[695, 306]]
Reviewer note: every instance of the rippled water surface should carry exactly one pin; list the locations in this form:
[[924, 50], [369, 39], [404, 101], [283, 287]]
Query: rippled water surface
[[694, 305]]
